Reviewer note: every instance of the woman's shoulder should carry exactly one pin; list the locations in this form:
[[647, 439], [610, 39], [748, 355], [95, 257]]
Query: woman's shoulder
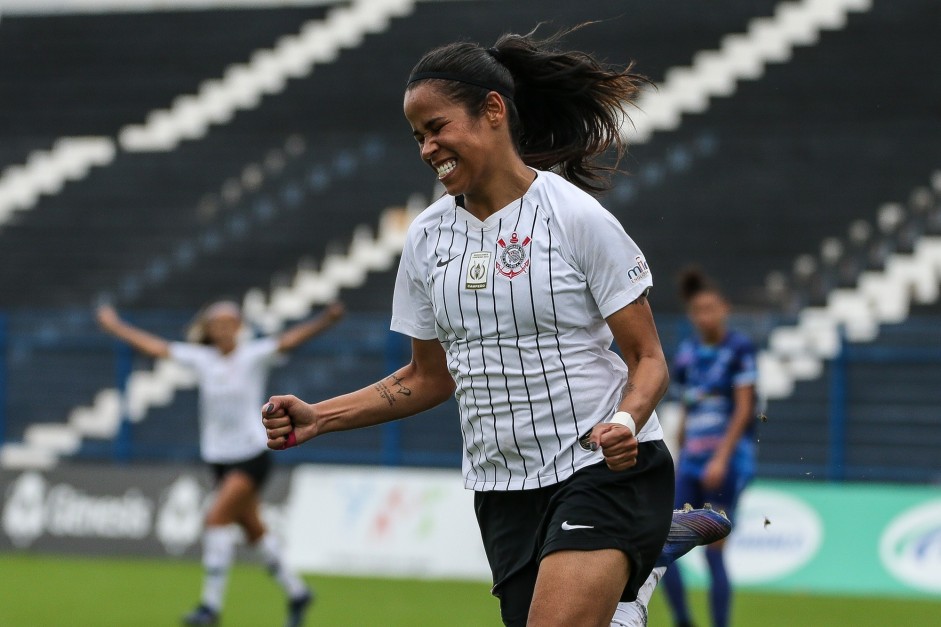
[[567, 204], [192, 347], [191, 352], [739, 340], [255, 341], [258, 345], [555, 186]]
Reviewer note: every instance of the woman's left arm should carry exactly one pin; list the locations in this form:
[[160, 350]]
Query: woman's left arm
[[648, 376], [742, 415], [647, 381], [300, 333]]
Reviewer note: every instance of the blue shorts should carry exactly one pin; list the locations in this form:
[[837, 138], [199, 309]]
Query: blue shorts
[[689, 489]]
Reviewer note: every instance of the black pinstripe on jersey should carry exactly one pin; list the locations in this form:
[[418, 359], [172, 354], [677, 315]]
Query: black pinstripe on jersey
[[558, 346], [496, 318]]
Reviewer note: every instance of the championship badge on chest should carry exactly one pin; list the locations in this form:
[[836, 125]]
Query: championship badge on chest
[[478, 270], [512, 259]]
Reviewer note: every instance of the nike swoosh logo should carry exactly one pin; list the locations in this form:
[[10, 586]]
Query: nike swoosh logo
[[567, 527], [442, 263]]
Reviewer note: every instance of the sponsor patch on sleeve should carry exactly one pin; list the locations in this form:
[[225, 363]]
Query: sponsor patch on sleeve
[[640, 270]]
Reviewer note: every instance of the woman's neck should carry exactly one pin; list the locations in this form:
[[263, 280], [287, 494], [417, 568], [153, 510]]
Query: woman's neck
[[506, 186], [226, 347], [714, 337]]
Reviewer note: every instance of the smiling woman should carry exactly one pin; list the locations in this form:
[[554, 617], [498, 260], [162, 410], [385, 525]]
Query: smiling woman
[[520, 103], [512, 287], [562, 108]]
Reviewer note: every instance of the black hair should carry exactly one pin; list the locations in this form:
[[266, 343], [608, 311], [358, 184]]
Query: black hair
[[693, 282], [565, 108]]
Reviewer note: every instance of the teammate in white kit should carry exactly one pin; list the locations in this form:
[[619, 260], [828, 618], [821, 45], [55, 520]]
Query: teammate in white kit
[[232, 379], [512, 287]]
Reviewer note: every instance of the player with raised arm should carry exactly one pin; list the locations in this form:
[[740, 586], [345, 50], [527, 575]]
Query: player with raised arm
[[512, 287], [232, 379], [716, 371]]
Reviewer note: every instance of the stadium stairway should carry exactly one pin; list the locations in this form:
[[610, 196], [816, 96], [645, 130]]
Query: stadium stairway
[[850, 388], [74, 75], [162, 189], [908, 278], [878, 402], [899, 228], [243, 85], [798, 155]]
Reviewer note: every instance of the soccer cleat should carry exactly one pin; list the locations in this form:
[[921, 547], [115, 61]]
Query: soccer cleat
[[297, 609], [691, 528], [202, 615]]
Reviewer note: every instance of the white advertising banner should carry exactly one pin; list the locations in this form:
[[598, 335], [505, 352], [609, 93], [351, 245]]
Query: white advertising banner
[[101, 509], [398, 522]]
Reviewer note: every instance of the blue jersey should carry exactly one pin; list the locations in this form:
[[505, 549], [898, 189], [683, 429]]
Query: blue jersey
[[708, 376]]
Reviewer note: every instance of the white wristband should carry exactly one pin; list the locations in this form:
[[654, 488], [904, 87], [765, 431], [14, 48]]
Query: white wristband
[[624, 418]]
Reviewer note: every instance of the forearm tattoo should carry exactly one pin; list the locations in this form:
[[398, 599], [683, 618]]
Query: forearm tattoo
[[400, 387], [396, 386]]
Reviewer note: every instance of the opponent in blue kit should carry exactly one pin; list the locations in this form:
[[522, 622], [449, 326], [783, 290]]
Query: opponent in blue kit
[[716, 372]]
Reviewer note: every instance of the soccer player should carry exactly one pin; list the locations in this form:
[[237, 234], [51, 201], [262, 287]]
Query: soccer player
[[232, 379], [716, 372], [512, 287]]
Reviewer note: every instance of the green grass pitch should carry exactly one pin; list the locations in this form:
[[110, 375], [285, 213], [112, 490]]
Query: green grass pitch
[[43, 591]]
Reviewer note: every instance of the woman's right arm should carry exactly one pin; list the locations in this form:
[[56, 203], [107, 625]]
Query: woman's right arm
[[421, 384], [139, 339]]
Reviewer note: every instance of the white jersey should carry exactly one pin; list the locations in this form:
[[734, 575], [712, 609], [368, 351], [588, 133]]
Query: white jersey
[[519, 303], [231, 393]]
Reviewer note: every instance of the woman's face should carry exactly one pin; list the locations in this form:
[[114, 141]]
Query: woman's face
[[457, 145], [708, 312], [222, 329]]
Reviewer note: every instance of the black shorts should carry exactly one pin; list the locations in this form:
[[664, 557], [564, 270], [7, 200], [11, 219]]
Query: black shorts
[[596, 508], [257, 468]]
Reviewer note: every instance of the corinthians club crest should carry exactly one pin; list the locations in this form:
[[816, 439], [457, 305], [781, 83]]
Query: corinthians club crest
[[512, 261]]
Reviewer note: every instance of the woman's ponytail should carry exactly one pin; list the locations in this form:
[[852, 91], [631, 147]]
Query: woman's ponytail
[[571, 107]]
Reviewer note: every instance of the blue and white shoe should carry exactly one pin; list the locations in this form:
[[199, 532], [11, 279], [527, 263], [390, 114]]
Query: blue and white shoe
[[691, 528], [202, 615], [297, 609]]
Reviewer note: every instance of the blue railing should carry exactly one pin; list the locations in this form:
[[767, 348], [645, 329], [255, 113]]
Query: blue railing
[[123, 366], [3, 377], [51, 361], [919, 414], [839, 398]]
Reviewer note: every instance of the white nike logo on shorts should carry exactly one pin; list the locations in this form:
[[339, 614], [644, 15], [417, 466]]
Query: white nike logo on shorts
[[567, 527]]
